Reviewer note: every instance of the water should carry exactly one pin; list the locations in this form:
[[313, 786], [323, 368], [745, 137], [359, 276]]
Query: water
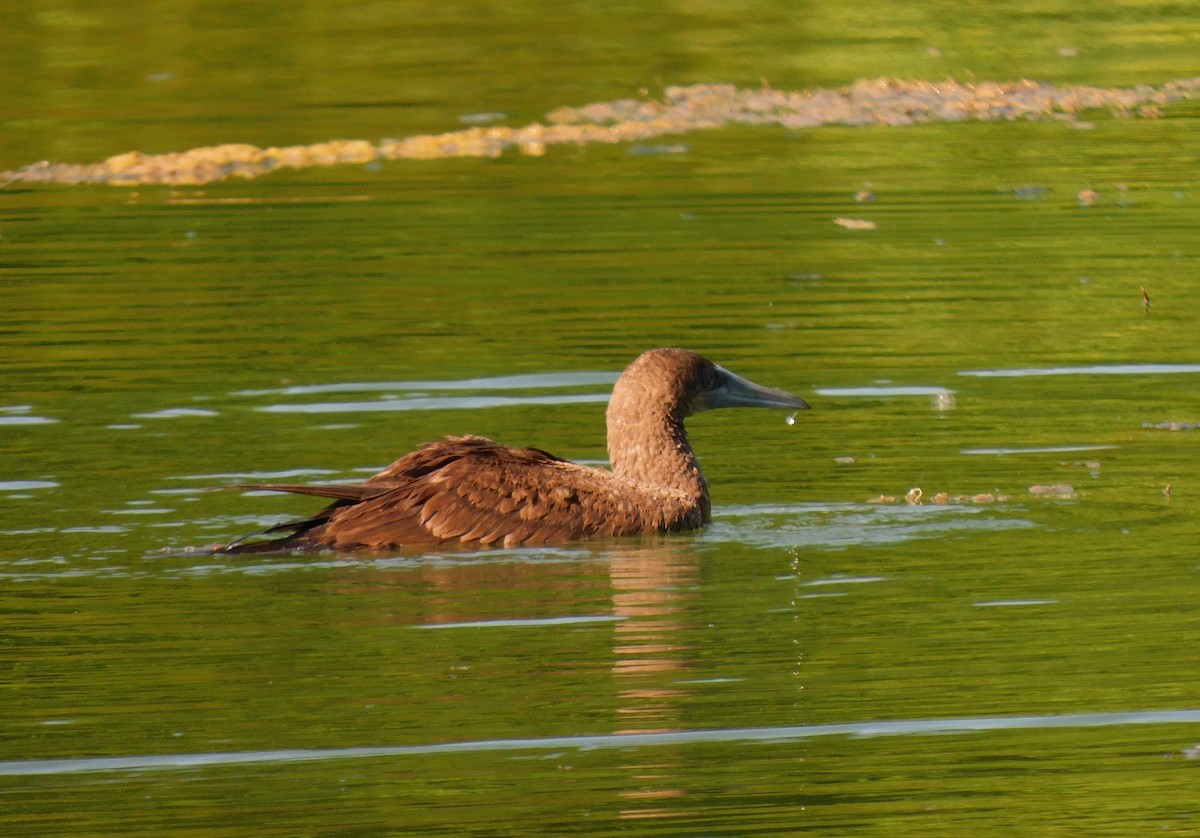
[[993, 660]]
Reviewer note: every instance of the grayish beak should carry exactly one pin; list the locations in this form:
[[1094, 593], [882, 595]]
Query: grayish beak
[[735, 391]]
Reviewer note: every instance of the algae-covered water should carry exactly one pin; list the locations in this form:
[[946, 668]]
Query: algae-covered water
[[1001, 314]]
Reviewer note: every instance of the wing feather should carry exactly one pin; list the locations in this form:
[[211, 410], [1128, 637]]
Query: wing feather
[[474, 491]]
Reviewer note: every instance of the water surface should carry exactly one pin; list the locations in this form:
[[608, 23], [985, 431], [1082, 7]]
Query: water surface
[[1005, 657]]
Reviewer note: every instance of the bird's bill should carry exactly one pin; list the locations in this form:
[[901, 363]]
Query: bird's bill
[[735, 391]]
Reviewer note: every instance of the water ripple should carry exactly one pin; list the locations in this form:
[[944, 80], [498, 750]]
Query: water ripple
[[25, 485], [254, 475], [19, 414], [1047, 449], [787, 733], [433, 403], [532, 381], [176, 413], [846, 525], [1101, 369], [884, 392], [531, 622]]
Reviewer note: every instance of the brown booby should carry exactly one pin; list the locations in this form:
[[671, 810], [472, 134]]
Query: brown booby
[[472, 491]]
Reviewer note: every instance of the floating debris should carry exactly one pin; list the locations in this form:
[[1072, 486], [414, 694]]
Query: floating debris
[[915, 495], [643, 150], [943, 401], [1088, 197], [864, 196], [854, 223], [1034, 192], [481, 118], [1171, 426], [680, 110], [1056, 489]]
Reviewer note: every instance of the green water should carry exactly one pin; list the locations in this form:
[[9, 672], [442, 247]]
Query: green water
[[150, 337]]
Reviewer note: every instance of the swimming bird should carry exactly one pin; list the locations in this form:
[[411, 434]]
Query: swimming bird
[[470, 490]]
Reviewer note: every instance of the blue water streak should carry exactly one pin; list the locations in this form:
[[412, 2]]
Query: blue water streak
[[919, 727]]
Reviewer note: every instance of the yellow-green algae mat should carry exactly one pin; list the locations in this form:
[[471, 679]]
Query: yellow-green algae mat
[[680, 110]]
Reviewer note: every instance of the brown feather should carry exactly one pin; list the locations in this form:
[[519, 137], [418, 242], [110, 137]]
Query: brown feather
[[473, 491]]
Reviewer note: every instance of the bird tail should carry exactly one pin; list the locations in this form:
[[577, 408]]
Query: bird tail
[[294, 539], [297, 531]]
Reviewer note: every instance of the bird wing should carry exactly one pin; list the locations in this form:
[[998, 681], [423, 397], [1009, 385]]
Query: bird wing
[[475, 491]]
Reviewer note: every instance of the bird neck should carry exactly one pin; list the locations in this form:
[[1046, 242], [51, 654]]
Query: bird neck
[[652, 447]]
